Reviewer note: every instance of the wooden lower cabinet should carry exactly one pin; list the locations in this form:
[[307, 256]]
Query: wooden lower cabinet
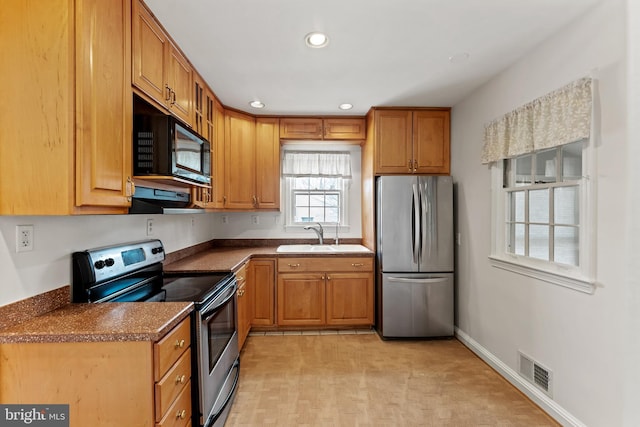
[[326, 291], [130, 383], [263, 277], [301, 299]]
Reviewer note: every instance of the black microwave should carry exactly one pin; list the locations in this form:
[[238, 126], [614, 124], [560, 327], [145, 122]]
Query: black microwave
[[163, 146]]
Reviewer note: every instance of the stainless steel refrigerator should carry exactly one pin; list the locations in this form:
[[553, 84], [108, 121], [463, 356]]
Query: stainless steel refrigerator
[[414, 283]]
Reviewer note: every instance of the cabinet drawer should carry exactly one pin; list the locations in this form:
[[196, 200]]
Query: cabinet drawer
[[306, 264], [179, 413], [172, 383], [170, 348]]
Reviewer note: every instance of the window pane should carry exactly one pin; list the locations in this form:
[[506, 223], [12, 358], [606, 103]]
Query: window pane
[[572, 161], [566, 205], [317, 200], [317, 213], [565, 245], [539, 241], [331, 215], [523, 170], [331, 200], [546, 166], [516, 239], [517, 206], [539, 205], [302, 200]]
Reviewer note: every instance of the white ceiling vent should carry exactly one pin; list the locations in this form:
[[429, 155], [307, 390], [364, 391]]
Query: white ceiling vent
[[535, 373]]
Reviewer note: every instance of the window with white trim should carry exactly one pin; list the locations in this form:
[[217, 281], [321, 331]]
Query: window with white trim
[[542, 158], [316, 187]]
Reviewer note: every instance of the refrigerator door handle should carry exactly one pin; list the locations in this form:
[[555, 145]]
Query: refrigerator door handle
[[409, 280], [415, 224]]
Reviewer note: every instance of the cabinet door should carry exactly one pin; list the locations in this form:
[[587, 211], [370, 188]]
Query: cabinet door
[[349, 298], [218, 156], [301, 299], [263, 277], [344, 129], [103, 103], [179, 80], [431, 141], [267, 163], [199, 106], [239, 161], [393, 151], [300, 128], [150, 47]]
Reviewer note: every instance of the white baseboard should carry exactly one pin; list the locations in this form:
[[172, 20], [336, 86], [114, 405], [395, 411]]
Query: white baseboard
[[545, 402]]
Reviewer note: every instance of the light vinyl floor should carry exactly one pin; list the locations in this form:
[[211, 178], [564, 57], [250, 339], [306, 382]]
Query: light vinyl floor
[[361, 380]]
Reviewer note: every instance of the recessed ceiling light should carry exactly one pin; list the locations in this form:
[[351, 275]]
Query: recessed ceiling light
[[345, 106], [316, 40], [459, 58], [256, 104]]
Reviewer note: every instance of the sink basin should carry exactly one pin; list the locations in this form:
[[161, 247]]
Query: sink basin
[[311, 249]]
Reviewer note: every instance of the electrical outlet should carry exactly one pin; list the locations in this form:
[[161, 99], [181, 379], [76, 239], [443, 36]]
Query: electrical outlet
[[255, 219], [149, 227], [193, 222], [225, 219], [24, 238]]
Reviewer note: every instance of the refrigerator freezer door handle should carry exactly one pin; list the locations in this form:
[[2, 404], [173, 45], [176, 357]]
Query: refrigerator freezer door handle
[[415, 224], [409, 280]]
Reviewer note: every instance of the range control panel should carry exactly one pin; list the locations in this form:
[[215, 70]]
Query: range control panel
[[110, 262]]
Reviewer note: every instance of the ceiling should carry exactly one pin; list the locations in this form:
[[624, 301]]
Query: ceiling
[[380, 52]]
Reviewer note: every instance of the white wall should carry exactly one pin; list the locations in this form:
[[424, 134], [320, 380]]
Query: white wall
[[48, 266], [579, 337]]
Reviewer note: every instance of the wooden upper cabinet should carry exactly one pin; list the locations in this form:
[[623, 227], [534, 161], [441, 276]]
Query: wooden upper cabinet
[[240, 160], [103, 103], [315, 128], [218, 156], [393, 141], [344, 129], [71, 154], [160, 71], [300, 128], [267, 172], [412, 141]]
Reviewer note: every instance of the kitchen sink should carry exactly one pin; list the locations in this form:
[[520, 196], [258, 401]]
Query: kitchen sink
[[311, 249]]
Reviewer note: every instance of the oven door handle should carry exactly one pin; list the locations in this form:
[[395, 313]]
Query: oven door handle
[[209, 311]]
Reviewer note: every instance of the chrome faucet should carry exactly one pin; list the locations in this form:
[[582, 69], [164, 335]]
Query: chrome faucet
[[319, 231]]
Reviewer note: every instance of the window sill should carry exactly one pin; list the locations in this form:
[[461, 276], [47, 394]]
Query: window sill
[[577, 283]]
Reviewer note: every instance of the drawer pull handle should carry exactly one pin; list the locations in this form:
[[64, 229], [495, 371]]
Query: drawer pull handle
[[357, 264], [181, 414], [294, 265], [240, 278], [179, 344], [180, 379]]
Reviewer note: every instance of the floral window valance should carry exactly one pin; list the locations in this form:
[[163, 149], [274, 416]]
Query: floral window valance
[[327, 164], [560, 117]]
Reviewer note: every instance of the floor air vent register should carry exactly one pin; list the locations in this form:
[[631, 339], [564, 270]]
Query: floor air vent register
[[535, 373]]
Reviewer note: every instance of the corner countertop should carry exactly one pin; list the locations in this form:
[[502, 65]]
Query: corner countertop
[[117, 321]]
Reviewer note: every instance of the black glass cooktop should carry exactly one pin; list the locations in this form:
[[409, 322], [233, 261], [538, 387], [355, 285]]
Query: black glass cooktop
[[198, 288]]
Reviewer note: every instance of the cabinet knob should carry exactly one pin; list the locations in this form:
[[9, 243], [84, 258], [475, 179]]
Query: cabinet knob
[[181, 414], [328, 277], [180, 379], [179, 343]]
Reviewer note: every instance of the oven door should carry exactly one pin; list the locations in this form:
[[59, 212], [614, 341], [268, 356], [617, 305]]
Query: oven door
[[218, 353]]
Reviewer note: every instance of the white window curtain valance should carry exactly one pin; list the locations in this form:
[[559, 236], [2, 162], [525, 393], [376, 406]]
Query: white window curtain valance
[[560, 117], [305, 163]]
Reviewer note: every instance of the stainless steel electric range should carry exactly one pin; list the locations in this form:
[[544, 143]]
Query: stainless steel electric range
[[132, 272]]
